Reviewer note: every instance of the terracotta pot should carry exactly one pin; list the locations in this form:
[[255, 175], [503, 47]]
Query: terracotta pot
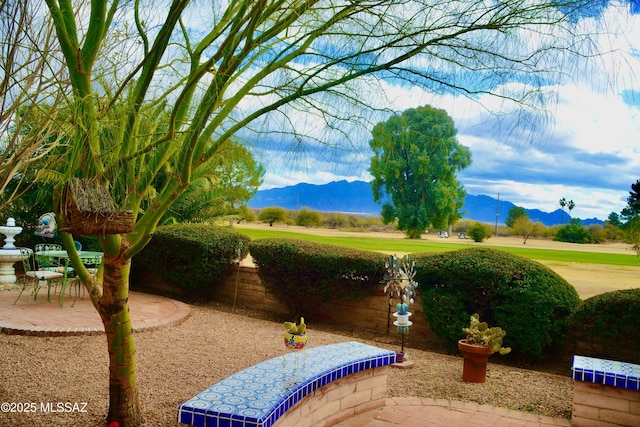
[[475, 357]]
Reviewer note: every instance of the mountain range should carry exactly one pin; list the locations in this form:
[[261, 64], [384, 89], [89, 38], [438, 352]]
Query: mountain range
[[356, 198]]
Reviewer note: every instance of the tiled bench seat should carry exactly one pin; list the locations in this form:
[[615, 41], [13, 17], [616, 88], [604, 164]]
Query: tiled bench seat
[[606, 393], [322, 383]]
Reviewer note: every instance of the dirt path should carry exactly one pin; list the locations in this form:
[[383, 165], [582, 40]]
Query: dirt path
[[588, 279]]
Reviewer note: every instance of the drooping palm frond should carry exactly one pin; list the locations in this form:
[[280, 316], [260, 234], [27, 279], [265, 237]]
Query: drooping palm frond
[[218, 186]]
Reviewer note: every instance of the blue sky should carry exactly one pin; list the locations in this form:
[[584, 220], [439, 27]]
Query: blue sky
[[586, 148]]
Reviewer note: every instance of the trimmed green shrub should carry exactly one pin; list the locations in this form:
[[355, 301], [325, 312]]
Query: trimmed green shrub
[[527, 299], [573, 232], [478, 232], [607, 326], [308, 218], [303, 274], [193, 256], [272, 214]]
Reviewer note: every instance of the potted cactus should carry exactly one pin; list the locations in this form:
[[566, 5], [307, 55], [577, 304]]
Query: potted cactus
[[480, 343], [296, 337]]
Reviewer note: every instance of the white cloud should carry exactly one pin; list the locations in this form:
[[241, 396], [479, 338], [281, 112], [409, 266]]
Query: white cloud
[[590, 155]]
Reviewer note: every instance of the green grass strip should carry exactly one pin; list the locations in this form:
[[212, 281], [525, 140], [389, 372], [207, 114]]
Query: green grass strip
[[418, 246]]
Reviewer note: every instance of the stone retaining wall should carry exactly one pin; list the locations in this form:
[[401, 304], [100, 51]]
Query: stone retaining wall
[[243, 286], [370, 313]]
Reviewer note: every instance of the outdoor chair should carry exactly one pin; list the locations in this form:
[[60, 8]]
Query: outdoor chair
[[92, 264], [50, 263], [35, 277], [40, 247]]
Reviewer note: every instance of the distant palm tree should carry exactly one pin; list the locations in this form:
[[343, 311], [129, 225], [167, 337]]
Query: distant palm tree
[[570, 206], [563, 203]]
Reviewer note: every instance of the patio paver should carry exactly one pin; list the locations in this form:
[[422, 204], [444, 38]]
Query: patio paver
[[44, 318]]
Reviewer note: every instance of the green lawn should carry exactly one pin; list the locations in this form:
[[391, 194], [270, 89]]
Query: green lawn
[[417, 246]]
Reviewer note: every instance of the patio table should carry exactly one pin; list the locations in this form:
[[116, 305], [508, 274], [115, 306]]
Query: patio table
[[62, 259]]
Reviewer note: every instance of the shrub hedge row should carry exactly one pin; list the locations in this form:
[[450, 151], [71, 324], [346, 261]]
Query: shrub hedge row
[[608, 325], [528, 300], [193, 256], [303, 274], [532, 303]]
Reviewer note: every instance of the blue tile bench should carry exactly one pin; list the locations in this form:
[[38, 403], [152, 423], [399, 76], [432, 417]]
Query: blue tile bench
[[606, 393], [327, 383]]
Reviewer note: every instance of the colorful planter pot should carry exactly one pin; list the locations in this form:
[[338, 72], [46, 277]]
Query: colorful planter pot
[[296, 341]]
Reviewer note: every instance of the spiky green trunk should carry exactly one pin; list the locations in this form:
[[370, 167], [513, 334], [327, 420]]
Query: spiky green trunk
[[113, 306]]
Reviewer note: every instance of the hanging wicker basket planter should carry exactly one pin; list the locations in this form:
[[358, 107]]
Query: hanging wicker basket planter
[[88, 209]]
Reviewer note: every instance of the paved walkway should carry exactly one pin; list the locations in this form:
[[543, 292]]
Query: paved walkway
[[150, 312]]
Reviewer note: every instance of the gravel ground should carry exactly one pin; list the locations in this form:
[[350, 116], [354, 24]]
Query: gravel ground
[[175, 364]]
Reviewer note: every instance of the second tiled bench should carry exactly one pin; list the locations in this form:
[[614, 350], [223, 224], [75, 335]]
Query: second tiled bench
[[328, 383], [606, 393]]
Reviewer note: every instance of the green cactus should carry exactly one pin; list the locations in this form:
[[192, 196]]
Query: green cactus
[[479, 333], [292, 328]]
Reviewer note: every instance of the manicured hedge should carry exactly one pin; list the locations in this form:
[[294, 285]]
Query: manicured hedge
[[303, 274], [193, 256], [607, 326], [525, 298]]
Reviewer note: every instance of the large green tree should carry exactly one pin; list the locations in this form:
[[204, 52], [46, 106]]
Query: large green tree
[[614, 219], [632, 210], [218, 188], [631, 213], [416, 157], [172, 81]]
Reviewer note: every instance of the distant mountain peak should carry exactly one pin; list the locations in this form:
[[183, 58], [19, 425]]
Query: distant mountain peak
[[356, 198]]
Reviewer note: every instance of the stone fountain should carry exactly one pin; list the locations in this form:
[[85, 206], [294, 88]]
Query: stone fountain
[[9, 254]]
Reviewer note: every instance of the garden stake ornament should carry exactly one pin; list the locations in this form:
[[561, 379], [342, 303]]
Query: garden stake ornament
[[399, 283]]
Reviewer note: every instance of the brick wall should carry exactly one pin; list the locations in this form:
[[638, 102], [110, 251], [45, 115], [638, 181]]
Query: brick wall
[[599, 405], [244, 286], [339, 400], [370, 313]]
